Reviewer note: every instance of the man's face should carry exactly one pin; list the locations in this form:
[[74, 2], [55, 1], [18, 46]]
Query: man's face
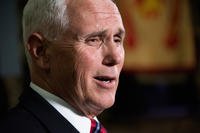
[[87, 67]]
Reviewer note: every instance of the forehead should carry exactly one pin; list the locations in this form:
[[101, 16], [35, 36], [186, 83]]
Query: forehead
[[92, 6], [88, 13]]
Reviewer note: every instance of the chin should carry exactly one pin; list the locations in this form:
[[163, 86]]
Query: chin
[[94, 106], [107, 102], [109, 98]]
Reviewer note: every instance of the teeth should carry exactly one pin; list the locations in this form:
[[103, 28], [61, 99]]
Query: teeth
[[107, 81], [104, 79]]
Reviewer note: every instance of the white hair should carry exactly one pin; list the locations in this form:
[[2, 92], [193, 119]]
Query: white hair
[[48, 17]]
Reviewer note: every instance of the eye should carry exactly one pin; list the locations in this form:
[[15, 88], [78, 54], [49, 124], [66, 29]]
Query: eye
[[94, 41], [118, 40]]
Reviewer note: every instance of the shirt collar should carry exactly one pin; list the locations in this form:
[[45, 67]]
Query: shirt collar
[[81, 123]]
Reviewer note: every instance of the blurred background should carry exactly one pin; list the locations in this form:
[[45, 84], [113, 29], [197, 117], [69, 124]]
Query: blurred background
[[159, 90]]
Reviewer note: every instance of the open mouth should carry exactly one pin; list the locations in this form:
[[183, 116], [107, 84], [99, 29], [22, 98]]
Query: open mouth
[[105, 79]]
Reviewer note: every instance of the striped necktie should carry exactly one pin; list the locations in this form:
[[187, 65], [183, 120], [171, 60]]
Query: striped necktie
[[96, 127]]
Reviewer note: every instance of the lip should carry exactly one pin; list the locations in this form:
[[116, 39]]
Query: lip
[[105, 84]]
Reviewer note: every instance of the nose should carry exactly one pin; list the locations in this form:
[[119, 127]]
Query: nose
[[113, 55]]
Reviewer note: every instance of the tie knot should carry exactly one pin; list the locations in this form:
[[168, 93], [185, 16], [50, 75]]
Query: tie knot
[[96, 127]]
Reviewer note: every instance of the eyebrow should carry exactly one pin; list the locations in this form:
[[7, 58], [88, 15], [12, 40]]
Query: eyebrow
[[98, 33], [120, 32]]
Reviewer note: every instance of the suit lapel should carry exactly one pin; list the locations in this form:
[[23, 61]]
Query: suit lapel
[[49, 117]]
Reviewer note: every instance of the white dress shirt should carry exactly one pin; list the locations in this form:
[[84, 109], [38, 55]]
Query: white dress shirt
[[81, 123]]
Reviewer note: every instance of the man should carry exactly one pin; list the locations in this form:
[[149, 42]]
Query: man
[[75, 54]]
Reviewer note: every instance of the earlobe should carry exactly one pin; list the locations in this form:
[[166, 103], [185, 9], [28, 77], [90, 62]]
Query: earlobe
[[37, 50]]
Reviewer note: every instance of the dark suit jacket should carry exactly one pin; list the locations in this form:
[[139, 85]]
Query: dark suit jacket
[[34, 114]]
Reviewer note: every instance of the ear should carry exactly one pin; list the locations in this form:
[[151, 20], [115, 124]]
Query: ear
[[38, 51]]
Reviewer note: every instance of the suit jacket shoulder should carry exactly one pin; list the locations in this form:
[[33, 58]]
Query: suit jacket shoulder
[[34, 114]]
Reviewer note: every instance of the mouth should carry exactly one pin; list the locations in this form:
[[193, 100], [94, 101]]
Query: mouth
[[105, 81]]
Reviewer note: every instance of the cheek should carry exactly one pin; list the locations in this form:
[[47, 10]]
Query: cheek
[[62, 65], [122, 56], [85, 65], [86, 60]]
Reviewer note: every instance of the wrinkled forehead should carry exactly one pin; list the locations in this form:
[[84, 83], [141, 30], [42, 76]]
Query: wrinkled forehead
[[81, 8], [92, 4]]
